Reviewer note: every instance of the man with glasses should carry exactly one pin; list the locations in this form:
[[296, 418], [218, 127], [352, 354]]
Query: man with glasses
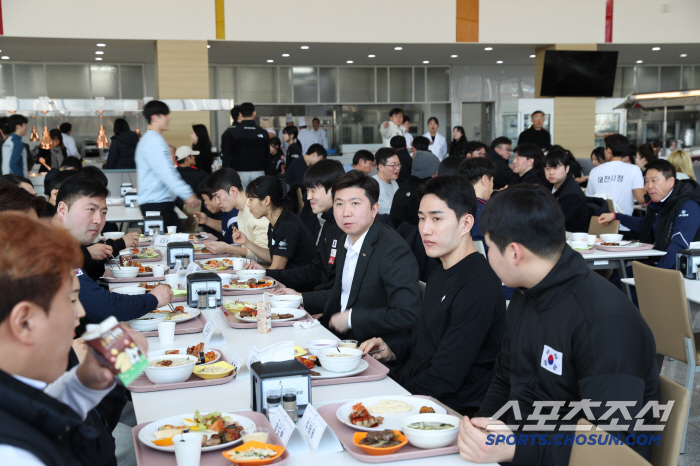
[[536, 134], [388, 168], [499, 152]]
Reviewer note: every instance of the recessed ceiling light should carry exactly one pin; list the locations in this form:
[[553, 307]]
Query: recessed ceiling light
[[101, 45], [285, 54], [349, 61], [488, 48], [453, 56], [640, 61], [98, 59], [532, 56], [305, 47], [683, 55], [99, 53], [499, 62], [371, 56], [656, 49], [5, 57], [398, 48], [271, 61], [208, 46], [426, 61]]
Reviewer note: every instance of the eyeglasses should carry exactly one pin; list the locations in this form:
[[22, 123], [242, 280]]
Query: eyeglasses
[[394, 165]]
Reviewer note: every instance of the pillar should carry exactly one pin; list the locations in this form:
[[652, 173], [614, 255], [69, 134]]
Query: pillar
[[574, 117], [182, 72]]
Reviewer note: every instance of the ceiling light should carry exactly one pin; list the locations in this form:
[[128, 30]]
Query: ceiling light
[[285, 54], [99, 53], [640, 61], [683, 55], [349, 61], [667, 95], [398, 48], [488, 48], [271, 61], [371, 56], [208, 46], [98, 59], [532, 56], [499, 62], [453, 56], [426, 61], [305, 47], [101, 45], [5, 57], [656, 49]]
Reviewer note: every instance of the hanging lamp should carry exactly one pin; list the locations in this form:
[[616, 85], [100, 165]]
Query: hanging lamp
[[45, 138], [34, 135], [138, 130], [102, 141]]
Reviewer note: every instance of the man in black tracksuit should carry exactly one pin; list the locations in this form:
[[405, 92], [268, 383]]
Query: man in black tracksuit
[[246, 146], [404, 207], [499, 152], [571, 336]]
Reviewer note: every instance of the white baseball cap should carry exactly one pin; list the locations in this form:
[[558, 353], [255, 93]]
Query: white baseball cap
[[182, 152]]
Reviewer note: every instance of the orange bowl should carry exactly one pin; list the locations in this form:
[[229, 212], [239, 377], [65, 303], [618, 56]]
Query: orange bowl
[[253, 461], [377, 451]]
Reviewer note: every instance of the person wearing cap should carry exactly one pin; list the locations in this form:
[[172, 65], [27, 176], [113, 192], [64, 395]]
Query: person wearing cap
[[186, 158], [288, 121], [319, 134], [305, 137], [405, 206]]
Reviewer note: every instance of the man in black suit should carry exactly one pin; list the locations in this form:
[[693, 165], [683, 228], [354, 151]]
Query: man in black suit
[[376, 283]]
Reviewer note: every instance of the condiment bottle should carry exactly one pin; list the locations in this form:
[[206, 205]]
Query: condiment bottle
[[289, 399], [185, 260], [202, 299], [274, 398], [211, 297]]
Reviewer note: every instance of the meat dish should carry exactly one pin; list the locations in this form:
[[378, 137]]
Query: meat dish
[[382, 439], [361, 417]]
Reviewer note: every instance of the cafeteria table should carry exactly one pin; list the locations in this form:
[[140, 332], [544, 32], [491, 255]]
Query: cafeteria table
[[608, 260], [235, 395]]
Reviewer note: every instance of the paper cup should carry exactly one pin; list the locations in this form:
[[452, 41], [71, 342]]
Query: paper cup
[[579, 236], [591, 240], [172, 230], [188, 449], [158, 270], [166, 333], [171, 279], [239, 263]]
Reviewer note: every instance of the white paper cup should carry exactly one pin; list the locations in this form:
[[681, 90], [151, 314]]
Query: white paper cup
[[591, 240], [172, 230], [579, 237], [171, 279], [188, 449], [239, 263], [158, 270], [166, 333]]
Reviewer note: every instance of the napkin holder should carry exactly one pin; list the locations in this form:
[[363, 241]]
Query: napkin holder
[[131, 195], [125, 188], [687, 261], [279, 375], [153, 222], [203, 281], [179, 248]]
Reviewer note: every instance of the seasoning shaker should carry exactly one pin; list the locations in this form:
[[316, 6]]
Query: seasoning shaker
[[201, 299], [211, 296], [289, 399], [274, 398]]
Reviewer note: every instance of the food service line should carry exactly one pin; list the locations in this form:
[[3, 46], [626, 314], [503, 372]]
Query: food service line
[[235, 395]]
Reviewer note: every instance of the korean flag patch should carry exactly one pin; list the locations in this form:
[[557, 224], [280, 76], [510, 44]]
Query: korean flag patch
[[551, 360]]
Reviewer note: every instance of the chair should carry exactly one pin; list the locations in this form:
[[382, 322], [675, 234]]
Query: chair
[[611, 205], [191, 222], [300, 200], [668, 450], [602, 455], [594, 228], [662, 302], [479, 246], [422, 291]]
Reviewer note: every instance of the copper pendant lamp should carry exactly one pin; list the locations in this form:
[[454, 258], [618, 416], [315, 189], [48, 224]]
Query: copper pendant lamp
[[102, 141]]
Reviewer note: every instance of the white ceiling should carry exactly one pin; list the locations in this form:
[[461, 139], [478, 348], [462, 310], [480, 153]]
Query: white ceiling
[[257, 53]]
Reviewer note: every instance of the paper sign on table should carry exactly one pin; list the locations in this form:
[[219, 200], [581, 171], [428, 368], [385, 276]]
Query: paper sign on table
[[161, 240], [287, 431], [193, 267], [237, 362], [253, 356], [211, 335], [315, 430]]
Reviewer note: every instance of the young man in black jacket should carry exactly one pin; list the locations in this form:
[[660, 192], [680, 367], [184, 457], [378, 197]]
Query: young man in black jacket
[[320, 273], [398, 143], [404, 207], [499, 152], [246, 147], [527, 166], [573, 344], [463, 320], [567, 191]]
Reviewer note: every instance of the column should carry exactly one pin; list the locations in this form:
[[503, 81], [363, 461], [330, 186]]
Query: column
[[182, 72], [574, 117]]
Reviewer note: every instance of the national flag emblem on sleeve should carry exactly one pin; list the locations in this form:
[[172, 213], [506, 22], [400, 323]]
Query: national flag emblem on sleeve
[[552, 360]]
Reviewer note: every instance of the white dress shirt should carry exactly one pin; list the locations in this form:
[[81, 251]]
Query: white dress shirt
[[349, 272], [409, 141], [321, 137], [71, 148], [438, 146]]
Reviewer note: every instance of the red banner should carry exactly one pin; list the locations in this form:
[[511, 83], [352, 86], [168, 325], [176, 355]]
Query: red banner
[[608, 20]]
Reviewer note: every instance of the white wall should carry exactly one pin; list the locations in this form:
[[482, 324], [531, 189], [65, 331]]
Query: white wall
[[642, 21], [101, 19], [370, 21]]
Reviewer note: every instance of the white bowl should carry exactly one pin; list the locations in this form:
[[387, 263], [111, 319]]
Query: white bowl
[[125, 272], [320, 345], [248, 274], [286, 300], [340, 364], [578, 236], [147, 322], [611, 238], [130, 290], [113, 234], [579, 244], [174, 374], [428, 439], [225, 278]]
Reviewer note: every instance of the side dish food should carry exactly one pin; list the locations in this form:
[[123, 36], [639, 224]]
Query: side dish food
[[361, 417], [382, 439]]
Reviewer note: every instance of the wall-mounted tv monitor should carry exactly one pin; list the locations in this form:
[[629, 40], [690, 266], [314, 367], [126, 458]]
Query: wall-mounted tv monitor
[[578, 74]]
